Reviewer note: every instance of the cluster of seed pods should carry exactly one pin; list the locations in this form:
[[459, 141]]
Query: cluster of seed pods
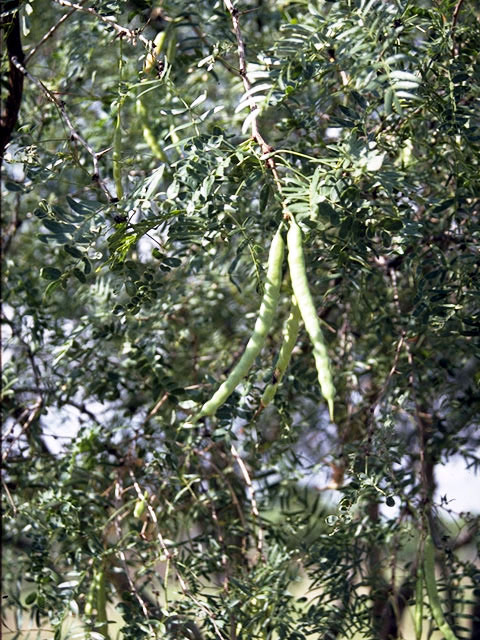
[[302, 307]]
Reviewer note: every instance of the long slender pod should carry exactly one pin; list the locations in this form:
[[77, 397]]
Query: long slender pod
[[102, 602], [91, 598], [301, 290], [418, 616], [432, 590], [262, 326], [148, 134], [117, 137], [171, 46], [117, 155], [290, 335]]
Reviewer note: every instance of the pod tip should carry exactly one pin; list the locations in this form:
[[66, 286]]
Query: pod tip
[[330, 408]]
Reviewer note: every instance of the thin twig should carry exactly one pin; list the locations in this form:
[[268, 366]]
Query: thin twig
[[154, 518], [467, 537], [455, 15], [130, 34], [80, 406], [221, 542], [34, 413], [50, 33], [392, 371], [253, 501], [266, 149], [242, 58], [411, 380], [235, 500], [168, 554], [9, 497], [123, 31], [156, 408], [133, 589], [74, 135]]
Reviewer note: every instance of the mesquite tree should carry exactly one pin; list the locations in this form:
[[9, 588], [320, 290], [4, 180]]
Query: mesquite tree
[[196, 446]]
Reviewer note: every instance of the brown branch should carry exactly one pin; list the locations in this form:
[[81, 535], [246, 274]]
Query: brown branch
[[267, 150], [80, 406], [74, 134], [242, 58], [9, 497], [475, 633], [123, 32], [170, 556], [224, 476], [32, 414], [156, 408], [50, 33], [467, 537], [426, 463], [253, 500], [132, 588], [10, 22], [395, 607], [12, 228], [455, 15]]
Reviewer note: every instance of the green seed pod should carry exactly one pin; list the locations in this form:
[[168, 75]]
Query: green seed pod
[[102, 602], [158, 43], [117, 154], [140, 506], [117, 136], [432, 590], [171, 46], [418, 616], [261, 329], [298, 275], [91, 598], [148, 134], [290, 334]]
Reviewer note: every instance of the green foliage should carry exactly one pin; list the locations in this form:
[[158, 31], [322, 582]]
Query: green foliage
[[138, 210]]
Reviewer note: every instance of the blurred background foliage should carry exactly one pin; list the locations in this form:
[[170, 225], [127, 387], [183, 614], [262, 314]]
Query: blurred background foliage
[[137, 216]]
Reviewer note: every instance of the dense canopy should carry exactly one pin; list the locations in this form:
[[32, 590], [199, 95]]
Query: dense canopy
[[171, 468]]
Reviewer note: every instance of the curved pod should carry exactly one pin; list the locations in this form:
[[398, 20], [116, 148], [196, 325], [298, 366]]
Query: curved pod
[[432, 590], [158, 45], [290, 335], [117, 155], [301, 290], [262, 326]]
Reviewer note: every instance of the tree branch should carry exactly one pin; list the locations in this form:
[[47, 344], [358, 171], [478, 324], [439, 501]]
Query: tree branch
[[123, 32], [456, 13], [267, 150], [10, 22], [74, 134], [50, 33], [253, 501]]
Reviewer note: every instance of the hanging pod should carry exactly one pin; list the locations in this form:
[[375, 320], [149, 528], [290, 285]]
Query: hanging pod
[[148, 134], [432, 589], [290, 335], [158, 45], [263, 325], [301, 290]]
